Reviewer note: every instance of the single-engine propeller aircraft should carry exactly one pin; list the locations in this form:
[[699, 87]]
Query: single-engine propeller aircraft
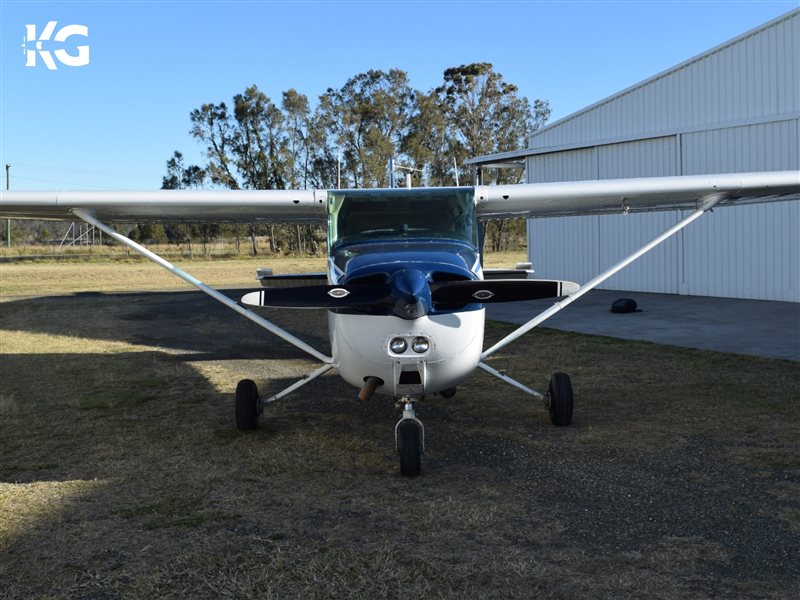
[[405, 289]]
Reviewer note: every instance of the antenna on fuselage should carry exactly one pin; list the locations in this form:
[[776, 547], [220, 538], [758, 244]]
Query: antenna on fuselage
[[410, 171]]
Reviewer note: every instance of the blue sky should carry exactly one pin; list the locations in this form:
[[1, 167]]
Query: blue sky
[[113, 123]]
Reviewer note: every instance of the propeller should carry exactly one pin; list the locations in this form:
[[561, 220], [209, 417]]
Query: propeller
[[408, 294], [499, 290], [321, 296]]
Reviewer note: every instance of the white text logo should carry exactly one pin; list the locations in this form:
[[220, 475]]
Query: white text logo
[[65, 58]]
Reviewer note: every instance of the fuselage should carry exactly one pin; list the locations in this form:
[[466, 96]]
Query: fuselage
[[406, 241]]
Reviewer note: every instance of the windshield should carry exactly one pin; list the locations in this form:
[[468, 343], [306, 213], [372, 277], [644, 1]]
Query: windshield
[[356, 216]]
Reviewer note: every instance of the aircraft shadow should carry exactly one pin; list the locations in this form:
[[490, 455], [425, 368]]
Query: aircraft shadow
[[86, 408], [180, 321]]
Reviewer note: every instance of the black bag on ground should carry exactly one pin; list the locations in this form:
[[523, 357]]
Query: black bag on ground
[[623, 305]]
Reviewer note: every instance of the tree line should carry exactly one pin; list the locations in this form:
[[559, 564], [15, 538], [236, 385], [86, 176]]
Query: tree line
[[346, 140]]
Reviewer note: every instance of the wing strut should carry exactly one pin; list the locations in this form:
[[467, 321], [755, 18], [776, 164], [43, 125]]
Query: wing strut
[[298, 384], [503, 377], [257, 319], [707, 204]]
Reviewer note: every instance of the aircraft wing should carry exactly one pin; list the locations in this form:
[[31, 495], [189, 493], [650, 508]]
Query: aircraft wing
[[502, 201], [201, 206], [633, 195]]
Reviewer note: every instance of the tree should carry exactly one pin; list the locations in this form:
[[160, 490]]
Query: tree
[[252, 143], [151, 233], [485, 115], [426, 143], [181, 177], [367, 119], [246, 150], [297, 152], [259, 141], [212, 125]]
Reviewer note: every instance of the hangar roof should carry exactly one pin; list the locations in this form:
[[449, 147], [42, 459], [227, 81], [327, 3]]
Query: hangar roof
[[548, 139]]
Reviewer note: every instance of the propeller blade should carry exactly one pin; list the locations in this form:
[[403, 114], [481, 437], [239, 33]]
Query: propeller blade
[[456, 293], [320, 296]]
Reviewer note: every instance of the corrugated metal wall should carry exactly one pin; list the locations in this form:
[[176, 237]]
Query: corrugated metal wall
[[737, 108], [745, 252], [763, 147]]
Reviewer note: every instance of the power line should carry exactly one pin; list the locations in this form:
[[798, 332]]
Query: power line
[[74, 170], [99, 187]]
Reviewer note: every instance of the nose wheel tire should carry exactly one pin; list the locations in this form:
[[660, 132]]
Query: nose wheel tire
[[409, 448], [247, 405], [559, 399]]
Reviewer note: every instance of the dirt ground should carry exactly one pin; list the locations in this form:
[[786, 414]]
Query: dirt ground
[[122, 474]]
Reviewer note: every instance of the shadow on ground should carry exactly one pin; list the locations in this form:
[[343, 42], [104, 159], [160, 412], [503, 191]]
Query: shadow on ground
[[121, 473]]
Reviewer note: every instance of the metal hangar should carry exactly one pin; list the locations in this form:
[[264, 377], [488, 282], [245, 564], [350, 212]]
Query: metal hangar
[[734, 108]]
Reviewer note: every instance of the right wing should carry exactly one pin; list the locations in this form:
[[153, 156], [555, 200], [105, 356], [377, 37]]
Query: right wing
[[606, 196], [201, 206]]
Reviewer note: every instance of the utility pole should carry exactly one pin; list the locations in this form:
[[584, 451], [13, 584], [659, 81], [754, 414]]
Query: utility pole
[[8, 222]]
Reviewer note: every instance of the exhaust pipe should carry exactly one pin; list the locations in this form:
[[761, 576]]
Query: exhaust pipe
[[370, 385]]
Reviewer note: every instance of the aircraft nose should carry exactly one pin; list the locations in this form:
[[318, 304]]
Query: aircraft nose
[[411, 294]]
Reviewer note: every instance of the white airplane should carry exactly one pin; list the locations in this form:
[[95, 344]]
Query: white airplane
[[405, 290]]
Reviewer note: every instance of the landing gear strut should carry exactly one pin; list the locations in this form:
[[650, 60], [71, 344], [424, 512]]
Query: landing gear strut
[[410, 439]]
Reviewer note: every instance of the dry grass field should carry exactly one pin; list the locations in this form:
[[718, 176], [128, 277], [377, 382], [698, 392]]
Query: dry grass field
[[126, 272], [122, 474]]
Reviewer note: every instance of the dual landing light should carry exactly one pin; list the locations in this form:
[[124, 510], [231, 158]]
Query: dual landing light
[[397, 347], [419, 344]]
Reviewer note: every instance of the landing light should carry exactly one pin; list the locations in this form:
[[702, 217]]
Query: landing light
[[398, 345], [420, 345]]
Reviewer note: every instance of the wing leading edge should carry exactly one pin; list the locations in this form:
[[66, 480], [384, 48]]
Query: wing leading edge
[[527, 200], [608, 196], [201, 206]]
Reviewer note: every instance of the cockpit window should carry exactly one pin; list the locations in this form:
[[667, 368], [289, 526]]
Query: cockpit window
[[380, 215]]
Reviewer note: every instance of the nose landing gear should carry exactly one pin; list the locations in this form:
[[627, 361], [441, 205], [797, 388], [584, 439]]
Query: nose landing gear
[[248, 405], [409, 436]]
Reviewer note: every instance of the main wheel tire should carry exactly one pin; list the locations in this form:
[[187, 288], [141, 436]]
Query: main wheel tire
[[408, 446], [246, 405], [560, 399]]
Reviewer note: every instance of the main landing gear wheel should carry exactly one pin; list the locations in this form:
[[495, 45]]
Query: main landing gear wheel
[[247, 405], [559, 399]]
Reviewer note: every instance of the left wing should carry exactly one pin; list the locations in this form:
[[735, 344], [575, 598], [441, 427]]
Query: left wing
[[635, 195], [202, 206]]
